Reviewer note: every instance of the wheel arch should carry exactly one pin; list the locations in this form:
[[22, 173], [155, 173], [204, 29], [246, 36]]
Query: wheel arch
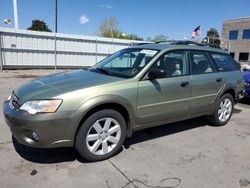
[[120, 104], [230, 89]]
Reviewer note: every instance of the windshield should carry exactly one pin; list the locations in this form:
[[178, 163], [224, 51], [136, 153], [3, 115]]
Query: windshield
[[125, 63]]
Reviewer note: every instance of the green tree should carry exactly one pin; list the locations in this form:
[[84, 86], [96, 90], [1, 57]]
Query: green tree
[[109, 28], [131, 37], [212, 37], [157, 38], [39, 25]]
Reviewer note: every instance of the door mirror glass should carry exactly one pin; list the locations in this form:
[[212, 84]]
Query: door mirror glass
[[156, 73]]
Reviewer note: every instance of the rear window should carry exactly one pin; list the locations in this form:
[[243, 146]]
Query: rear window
[[224, 62]]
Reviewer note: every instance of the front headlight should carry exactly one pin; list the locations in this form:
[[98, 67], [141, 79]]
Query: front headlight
[[36, 106]]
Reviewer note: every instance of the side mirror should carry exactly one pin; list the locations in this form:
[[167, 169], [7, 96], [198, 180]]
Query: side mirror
[[156, 73]]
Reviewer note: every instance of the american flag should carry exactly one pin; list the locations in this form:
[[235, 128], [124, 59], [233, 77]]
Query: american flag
[[196, 32]]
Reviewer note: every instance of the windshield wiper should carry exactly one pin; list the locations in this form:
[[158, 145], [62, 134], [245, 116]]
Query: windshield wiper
[[103, 70]]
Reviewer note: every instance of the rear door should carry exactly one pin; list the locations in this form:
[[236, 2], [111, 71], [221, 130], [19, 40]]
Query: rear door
[[165, 98], [206, 82]]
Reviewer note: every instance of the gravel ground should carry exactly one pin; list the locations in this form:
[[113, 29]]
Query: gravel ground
[[184, 154]]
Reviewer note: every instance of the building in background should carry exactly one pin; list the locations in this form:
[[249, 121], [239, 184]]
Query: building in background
[[235, 37]]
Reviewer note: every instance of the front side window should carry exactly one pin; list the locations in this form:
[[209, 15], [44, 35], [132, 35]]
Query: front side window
[[173, 63], [224, 62], [200, 63], [125, 63], [246, 34], [233, 35]]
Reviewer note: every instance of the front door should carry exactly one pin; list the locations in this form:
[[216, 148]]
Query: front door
[[169, 97]]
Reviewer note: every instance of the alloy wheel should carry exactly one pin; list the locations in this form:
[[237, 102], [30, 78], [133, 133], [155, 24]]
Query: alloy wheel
[[225, 109], [103, 136]]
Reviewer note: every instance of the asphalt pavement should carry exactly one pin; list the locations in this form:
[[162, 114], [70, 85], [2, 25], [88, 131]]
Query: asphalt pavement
[[186, 154]]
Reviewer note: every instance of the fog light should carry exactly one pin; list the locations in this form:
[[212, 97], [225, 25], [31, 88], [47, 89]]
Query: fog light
[[35, 137]]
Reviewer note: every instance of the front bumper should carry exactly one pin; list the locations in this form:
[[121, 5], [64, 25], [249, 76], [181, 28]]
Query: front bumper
[[53, 129]]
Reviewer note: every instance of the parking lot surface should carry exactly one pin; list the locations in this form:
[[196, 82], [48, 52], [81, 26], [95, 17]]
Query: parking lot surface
[[184, 154]]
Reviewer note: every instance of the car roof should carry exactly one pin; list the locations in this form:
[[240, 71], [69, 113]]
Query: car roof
[[165, 46]]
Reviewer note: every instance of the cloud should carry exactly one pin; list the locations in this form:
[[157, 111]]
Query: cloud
[[83, 19], [107, 6]]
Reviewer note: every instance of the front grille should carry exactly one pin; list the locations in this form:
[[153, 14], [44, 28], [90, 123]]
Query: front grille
[[14, 100]]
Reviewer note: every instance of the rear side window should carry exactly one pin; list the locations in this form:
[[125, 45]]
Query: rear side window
[[200, 63], [224, 62]]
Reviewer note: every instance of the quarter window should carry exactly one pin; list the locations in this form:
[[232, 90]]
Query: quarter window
[[224, 62], [174, 63], [233, 35], [200, 63]]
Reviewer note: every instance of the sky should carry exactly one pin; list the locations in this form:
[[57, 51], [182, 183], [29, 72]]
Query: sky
[[145, 18]]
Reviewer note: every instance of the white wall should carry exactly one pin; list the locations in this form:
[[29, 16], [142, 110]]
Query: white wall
[[21, 48]]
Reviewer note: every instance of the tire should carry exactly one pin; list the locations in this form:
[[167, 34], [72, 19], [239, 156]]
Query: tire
[[222, 113], [101, 135]]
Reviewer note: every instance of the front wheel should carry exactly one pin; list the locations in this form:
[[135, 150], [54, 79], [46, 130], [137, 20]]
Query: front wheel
[[223, 112], [101, 135]]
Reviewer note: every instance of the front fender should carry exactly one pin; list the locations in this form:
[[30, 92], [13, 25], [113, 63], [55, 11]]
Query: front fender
[[92, 103]]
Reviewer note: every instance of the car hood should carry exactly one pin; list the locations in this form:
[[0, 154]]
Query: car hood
[[246, 76], [53, 85]]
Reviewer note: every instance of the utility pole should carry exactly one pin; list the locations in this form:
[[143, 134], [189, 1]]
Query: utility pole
[[55, 16], [15, 13], [55, 34]]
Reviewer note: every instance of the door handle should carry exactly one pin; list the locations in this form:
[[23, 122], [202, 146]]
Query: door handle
[[219, 79], [184, 84]]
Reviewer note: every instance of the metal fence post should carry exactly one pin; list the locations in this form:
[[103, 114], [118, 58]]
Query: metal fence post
[[55, 52], [95, 51], [229, 46], [1, 59]]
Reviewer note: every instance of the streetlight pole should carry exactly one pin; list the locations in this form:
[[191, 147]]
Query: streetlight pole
[[1, 59], [55, 16], [15, 13], [55, 34]]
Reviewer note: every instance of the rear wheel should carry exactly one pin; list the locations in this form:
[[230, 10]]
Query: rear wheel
[[224, 111], [101, 135]]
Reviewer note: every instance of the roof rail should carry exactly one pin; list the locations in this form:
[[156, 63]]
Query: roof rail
[[211, 45], [142, 43], [180, 42], [187, 42]]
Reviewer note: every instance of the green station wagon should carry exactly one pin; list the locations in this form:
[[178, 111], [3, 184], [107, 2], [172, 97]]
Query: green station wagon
[[142, 86]]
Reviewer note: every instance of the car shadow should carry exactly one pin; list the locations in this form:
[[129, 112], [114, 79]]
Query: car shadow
[[46, 156], [245, 100], [164, 130], [57, 155]]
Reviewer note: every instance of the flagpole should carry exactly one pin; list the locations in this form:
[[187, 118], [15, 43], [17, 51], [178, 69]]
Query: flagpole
[[200, 31]]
